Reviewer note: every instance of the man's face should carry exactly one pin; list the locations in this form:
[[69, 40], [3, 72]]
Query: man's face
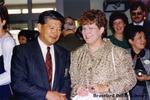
[[137, 15], [50, 31]]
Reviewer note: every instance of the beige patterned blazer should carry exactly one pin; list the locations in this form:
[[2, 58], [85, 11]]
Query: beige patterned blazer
[[98, 68]]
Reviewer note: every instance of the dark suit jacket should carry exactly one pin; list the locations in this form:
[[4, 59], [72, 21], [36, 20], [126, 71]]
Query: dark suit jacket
[[29, 76], [146, 26]]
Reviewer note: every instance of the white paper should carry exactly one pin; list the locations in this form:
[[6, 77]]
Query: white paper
[[88, 97]]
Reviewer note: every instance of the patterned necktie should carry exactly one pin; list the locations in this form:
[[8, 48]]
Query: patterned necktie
[[49, 65]]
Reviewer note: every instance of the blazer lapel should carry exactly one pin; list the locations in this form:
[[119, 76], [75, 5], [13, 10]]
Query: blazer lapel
[[37, 55], [57, 68]]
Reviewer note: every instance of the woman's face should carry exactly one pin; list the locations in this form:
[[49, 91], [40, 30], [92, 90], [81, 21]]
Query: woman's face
[[119, 26], [139, 41], [91, 33]]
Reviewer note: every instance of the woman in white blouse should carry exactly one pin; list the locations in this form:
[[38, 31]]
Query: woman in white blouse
[[6, 47]]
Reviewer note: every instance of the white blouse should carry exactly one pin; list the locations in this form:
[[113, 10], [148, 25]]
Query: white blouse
[[7, 44]]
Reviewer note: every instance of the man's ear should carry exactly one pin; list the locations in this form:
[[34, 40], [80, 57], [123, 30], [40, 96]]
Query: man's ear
[[39, 27]]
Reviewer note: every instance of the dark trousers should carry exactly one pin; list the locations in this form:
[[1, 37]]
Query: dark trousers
[[5, 92], [139, 93]]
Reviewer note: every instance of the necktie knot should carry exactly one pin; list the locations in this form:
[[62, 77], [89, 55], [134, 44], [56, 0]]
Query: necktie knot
[[48, 55], [48, 49]]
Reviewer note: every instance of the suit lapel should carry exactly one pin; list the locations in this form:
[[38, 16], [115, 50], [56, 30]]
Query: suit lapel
[[37, 55], [57, 67]]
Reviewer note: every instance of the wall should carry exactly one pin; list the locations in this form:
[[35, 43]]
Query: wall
[[74, 8], [98, 4]]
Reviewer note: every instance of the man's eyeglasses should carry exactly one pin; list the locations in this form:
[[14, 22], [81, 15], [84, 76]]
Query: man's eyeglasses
[[136, 13]]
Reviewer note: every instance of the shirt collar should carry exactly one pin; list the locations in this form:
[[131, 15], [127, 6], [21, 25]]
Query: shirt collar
[[141, 54], [141, 23], [43, 45]]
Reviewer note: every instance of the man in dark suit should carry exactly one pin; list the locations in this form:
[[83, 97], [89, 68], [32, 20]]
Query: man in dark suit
[[29, 74], [138, 16]]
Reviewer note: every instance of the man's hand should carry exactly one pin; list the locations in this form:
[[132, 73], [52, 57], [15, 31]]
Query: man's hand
[[53, 95], [143, 77]]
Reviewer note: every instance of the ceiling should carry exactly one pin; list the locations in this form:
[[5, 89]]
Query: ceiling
[[16, 2]]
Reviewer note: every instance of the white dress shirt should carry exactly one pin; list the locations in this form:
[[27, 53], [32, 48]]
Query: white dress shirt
[[141, 23], [7, 44], [43, 47]]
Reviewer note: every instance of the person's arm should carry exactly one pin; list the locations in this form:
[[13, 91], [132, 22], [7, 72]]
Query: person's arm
[[65, 82], [143, 77], [7, 49], [74, 74], [66, 88], [20, 82], [126, 78]]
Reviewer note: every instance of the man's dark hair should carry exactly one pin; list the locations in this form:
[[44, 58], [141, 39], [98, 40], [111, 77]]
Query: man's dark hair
[[50, 14], [117, 15], [4, 15], [137, 4]]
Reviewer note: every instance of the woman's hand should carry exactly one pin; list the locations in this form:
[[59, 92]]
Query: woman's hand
[[98, 88], [82, 91]]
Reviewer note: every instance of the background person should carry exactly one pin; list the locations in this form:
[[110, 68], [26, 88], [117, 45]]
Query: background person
[[69, 26], [138, 13], [26, 36], [70, 39], [23, 37], [117, 23], [140, 57]]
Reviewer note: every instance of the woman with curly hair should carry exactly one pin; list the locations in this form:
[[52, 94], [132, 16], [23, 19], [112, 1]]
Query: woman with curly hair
[[99, 67]]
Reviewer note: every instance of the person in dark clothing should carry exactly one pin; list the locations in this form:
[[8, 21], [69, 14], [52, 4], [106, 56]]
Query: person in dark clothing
[[138, 13], [141, 63], [70, 38]]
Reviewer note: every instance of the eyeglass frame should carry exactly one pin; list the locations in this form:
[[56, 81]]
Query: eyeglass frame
[[136, 13]]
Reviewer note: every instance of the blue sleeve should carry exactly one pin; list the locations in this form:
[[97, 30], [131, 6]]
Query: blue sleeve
[[19, 75]]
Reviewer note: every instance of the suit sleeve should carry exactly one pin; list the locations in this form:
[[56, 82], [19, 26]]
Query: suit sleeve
[[19, 75], [67, 81]]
